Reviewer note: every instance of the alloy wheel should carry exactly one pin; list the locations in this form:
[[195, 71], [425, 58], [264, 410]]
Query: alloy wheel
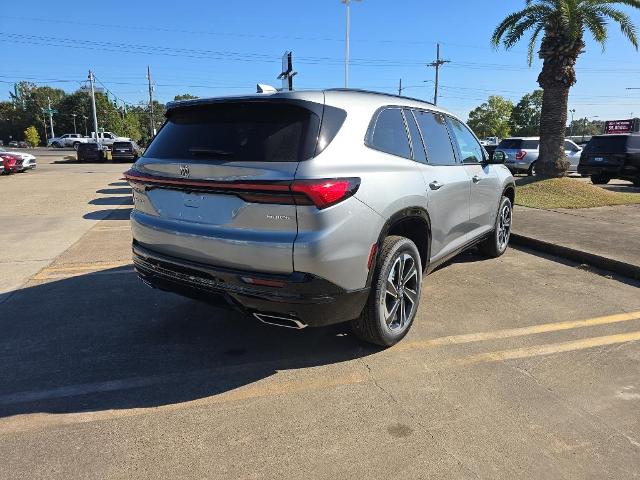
[[504, 226], [400, 297]]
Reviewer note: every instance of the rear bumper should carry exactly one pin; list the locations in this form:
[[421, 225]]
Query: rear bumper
[[624, 172], [309, 299]]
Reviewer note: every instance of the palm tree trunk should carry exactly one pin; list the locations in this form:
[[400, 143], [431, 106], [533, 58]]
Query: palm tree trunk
[[552, 161]]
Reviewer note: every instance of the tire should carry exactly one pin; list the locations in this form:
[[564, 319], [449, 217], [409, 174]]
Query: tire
[[498, 241], [532, 170], [76, 145], [636, 182], [56, 145], [381, 322], [600, 179]]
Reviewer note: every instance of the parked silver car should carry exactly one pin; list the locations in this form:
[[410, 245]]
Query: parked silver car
[[313, 208], [522, 152]]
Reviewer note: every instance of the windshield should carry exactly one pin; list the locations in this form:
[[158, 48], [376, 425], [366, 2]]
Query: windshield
[[238, 131], [517, 144]]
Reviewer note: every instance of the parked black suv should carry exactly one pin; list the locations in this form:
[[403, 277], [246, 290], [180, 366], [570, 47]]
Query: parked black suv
[[125, 151], [611, 156], [89, 152]]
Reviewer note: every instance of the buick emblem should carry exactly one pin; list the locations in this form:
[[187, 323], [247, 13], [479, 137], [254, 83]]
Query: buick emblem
[[184, 170]]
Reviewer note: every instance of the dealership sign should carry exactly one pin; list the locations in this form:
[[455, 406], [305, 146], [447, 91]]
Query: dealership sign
[[621, 126]]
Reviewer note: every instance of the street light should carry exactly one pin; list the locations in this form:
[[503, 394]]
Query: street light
[[85, 125], [346, 46], [572, 112], [584, 125], [74, 122]]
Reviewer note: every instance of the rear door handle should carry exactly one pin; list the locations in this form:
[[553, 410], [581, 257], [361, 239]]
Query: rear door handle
[[436, 185], [476, 179]]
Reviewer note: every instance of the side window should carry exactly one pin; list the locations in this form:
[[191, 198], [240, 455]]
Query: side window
[[436, 138], [390, 134], [570, 146], [470, 149], [419, 154]]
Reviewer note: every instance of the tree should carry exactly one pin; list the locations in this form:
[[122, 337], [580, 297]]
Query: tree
[[525, 118], [31, 136], [491, 118], [186, 96], [562, 24], [585, 127]]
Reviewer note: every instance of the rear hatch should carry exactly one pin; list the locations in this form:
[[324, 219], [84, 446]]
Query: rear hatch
[[213, 186], [122, 148], [605, 151], [512, 146]]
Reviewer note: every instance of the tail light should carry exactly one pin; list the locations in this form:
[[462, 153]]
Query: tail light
[[322, 192], [327, 192], [521, 154]]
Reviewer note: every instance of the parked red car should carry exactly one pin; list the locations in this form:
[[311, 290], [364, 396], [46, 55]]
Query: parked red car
[[10, 163]]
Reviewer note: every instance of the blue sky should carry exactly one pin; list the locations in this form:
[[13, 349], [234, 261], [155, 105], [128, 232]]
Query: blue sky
[[211, 48]]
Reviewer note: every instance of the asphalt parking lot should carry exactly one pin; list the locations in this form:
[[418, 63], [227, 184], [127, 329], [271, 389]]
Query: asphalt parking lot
[[520, 367]]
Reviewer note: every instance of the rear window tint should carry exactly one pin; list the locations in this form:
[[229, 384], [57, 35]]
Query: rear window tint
[[238, 132], [517, 144], [607, 144], [122, 145]]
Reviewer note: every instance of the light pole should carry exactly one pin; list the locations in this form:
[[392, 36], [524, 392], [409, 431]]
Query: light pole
[[74, 122], [346, 45], [86, 133], [572, 112]]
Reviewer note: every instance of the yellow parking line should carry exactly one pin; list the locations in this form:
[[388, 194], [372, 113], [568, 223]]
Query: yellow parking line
[[516, 332], [547, 349], [77, 269]]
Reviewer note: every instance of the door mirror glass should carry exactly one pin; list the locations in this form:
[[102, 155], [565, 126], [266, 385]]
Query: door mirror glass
[[498, 157]]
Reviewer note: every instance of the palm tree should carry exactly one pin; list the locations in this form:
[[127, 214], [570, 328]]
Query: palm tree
[[562, 24]]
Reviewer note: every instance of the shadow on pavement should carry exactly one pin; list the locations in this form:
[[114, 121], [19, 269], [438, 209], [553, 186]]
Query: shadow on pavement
[[112, 201], [119, 184], [110, 214], [114, 191], [105, 341]]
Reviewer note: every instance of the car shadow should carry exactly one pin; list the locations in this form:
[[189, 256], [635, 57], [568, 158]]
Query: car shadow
[[629, 188], [109, 214], [105, 341], [119, 184], [112, 201], [114, 191]]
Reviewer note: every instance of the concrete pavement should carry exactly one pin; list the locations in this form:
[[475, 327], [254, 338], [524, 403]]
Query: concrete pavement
[[607, 237], [49, 208], [519, 367]]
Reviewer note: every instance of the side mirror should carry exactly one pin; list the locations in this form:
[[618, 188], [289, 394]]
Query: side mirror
[[498, 157]]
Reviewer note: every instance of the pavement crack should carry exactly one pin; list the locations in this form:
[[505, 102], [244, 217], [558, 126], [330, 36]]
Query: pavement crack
[[594, 418], [415, 420]]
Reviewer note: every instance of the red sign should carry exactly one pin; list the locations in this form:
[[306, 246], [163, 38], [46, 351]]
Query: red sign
[[619, 126]]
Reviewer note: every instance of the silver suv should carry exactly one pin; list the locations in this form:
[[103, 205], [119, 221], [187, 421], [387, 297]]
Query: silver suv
[[312, 208], [522, 153]]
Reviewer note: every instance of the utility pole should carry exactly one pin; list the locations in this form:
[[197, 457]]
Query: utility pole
[[346, 45], [437, 64], [400, 88], [74, 122], [50, 112], [93, 105], [153, 126]]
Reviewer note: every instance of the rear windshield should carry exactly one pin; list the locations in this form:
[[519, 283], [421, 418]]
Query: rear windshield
[[122, 145], [517, 144], [238, 132], [607, 144]]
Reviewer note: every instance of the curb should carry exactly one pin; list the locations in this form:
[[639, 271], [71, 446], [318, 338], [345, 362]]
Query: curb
[[598, 261]]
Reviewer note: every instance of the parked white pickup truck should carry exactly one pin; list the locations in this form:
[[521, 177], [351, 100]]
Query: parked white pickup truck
[[75, 139], [68, 140], [108, 138]]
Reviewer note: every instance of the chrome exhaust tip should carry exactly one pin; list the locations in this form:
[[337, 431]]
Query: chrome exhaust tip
[[285, 322]]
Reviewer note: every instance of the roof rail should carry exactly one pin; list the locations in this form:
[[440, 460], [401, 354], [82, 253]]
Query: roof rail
[[360, 90]]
